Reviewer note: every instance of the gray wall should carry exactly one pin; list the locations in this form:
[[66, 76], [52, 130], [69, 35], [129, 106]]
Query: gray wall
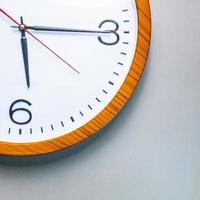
[[152, 150]]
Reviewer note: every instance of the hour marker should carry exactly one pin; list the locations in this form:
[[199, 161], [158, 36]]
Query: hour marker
[[31, 131], [20, 131], [52, 127], [123, 53], [126, 21], [72, 119], [125, 10], [9, 130], [126, 32]]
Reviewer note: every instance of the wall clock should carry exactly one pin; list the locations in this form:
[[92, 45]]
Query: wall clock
[[67, 69]]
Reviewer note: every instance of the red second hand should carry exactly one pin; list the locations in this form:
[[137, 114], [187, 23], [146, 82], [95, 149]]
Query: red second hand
[[38, 40]]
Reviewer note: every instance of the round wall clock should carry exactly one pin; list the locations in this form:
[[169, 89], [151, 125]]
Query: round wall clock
[[67, 69]]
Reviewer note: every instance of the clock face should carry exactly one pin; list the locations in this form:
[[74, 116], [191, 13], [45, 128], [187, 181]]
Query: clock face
[[62, 63]]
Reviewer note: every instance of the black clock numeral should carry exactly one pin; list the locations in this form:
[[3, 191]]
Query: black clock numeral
[[13, 111], [114, 32]]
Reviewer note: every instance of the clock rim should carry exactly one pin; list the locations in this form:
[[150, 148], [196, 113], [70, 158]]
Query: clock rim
[[110, 111]]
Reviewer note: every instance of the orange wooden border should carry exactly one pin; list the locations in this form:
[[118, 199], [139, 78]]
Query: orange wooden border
[[121, 98]]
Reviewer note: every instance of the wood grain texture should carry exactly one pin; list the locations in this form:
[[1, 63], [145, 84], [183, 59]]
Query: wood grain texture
[[103, 118]]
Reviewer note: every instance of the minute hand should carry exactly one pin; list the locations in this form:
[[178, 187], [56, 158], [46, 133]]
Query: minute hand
[[58, 29]]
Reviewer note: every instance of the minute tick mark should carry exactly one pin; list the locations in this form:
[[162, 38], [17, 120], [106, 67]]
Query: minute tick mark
[[104, 91], [52, 127], [123, 53], [81, 113], [42, 130], [72, 119], [63, 125], [119, 63], [98, 100], [111, 83], [126, 43], [116, 73], [90, 107]]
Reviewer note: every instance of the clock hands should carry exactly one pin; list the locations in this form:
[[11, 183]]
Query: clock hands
[[38, 40], [58, 29], [24, 45]]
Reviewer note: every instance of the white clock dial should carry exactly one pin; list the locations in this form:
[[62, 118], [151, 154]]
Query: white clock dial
[[70, 88]]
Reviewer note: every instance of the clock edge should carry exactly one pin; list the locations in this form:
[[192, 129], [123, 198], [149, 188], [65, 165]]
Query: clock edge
[[111, 110]]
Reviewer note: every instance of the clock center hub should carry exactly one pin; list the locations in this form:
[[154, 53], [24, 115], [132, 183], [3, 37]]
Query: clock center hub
[[22, 27]]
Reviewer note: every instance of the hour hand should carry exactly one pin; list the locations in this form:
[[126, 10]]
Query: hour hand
[[24, 45]]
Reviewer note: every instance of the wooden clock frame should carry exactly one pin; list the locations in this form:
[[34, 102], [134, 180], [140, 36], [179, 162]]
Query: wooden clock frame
[[104, 117]]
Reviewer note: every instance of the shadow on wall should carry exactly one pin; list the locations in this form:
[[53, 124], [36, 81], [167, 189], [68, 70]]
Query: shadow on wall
[[47, 158]]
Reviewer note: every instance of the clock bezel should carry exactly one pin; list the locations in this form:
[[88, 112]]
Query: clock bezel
[[111, 110]]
